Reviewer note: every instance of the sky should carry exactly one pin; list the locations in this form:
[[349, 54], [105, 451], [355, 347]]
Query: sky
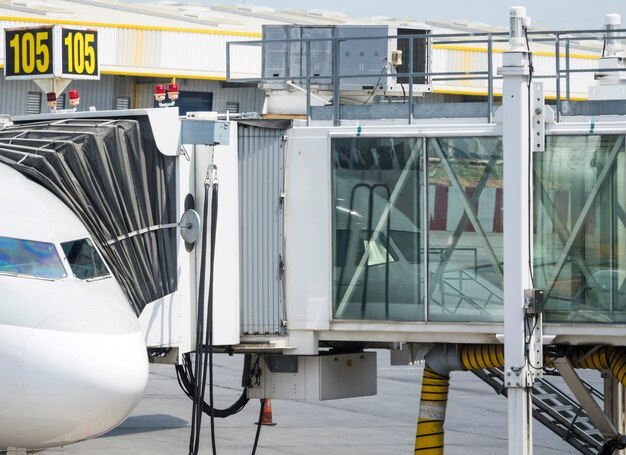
[[550, 14]]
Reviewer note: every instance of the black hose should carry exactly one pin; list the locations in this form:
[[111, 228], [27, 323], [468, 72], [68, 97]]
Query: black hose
[[194, 384], [186, 380], [209, 334], [258, 427], [198, 388]]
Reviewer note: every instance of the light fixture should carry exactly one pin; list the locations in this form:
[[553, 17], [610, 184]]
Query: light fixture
[[51, 97], [172, 91], [159, 93], [74, 98]]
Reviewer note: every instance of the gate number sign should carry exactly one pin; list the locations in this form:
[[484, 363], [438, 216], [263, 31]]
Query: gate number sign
[[51, 51], [28, 52]]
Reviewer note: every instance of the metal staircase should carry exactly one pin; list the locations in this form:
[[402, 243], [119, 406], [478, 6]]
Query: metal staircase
[[556, 410]]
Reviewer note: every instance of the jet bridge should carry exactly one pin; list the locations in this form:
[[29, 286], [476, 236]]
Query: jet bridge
[[394, 233], [392, 225], [493, 232]]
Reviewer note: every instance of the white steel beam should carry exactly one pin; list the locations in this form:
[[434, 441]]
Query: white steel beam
[[596, 414], [517, 235]]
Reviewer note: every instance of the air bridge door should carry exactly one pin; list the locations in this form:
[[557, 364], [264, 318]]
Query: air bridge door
[[261, 177]]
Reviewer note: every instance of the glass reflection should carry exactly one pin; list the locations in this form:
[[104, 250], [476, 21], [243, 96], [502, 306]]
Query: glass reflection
[[580, 234], [379, 260], [376, 272], [465, 229], [30, 258]]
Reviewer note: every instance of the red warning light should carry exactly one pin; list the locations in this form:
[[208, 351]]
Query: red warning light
[[172, 91], [51, 98], [74, 98], [159, 93]]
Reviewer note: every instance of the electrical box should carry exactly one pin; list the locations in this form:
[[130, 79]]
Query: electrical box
[[289, 58], [276, 56], [323, 377], [204, 132], [371, 55]]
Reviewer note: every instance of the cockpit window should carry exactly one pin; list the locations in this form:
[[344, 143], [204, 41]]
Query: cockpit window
[[30, 258], [84, 259]]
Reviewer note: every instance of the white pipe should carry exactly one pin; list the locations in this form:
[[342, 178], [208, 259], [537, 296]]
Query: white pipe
[[297, 87]]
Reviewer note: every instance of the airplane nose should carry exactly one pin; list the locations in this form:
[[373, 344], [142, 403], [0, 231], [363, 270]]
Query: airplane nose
[[83, 383]]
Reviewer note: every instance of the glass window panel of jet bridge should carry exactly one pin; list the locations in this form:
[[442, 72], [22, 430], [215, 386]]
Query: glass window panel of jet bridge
[[30, 258], [465, 229], [580, 234], [377, 274]]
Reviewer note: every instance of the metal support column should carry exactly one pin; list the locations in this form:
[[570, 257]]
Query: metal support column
[[411, 80], [490, 78], [614, 402], [336, 82], [517, 235], [596, 414]]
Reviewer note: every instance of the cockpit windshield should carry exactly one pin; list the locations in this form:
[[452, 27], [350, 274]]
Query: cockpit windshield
[[84, 259], [30, 258]]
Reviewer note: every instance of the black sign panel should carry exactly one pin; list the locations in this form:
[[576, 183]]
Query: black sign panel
[[29, 53], [79, 53]]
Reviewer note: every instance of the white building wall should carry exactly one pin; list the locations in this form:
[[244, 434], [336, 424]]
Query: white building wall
[[172, 53], [462, 59]]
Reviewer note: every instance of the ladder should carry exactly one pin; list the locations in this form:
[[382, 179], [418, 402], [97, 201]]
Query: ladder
[[556, 410]]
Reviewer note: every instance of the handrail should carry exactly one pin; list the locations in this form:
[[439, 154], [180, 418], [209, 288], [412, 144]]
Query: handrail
[[489, 39]]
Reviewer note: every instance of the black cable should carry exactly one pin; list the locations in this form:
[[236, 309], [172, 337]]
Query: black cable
[[198, 395], [194, 384], [258, 427], [377, 82], [186, 380], [209, 336], [186, 385]]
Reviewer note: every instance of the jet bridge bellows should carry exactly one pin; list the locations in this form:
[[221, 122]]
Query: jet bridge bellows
[[110, 172]]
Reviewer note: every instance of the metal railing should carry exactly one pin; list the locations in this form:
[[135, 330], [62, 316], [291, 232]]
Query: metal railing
[[487, 41]]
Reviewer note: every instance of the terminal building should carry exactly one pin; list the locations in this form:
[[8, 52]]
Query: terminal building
[[141, 45]]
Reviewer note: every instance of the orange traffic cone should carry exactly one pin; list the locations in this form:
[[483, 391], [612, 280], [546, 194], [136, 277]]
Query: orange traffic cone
[[266, 417]]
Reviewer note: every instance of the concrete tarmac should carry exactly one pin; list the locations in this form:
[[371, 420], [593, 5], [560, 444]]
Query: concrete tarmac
[[383, 424]]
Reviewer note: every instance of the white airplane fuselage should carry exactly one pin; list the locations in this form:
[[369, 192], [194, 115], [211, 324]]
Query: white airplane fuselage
[[73, 360]]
